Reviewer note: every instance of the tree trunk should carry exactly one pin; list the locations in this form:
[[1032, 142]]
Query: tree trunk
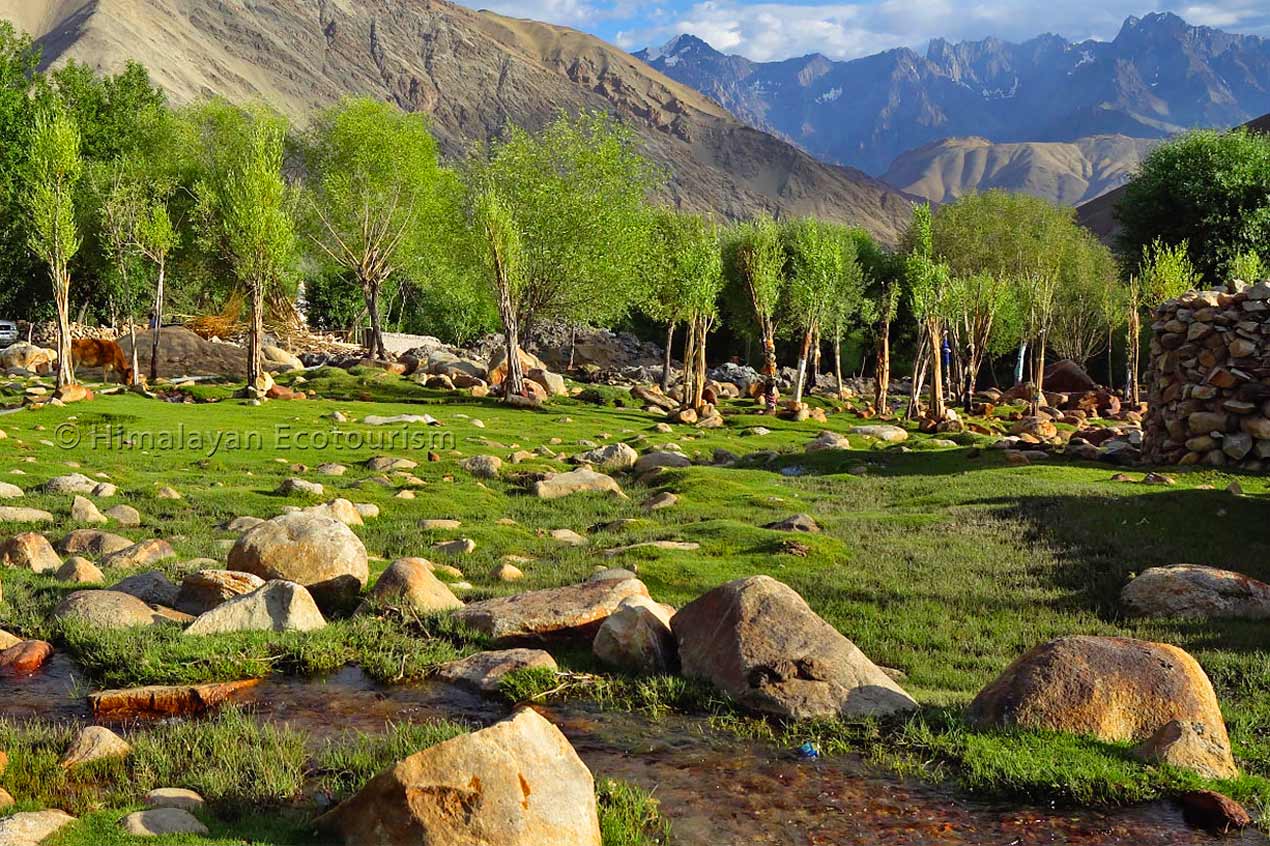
[[769, 370], [255, 360], [156, 330], [370, 288], [514, 380], [699, 377], [665, 367], [883, 374], [573, 346], [1038, 373], [690, 353], [815, 358], [837, 365], [132, 333], [919, 378], [62, 294], [802, 365], [1111, 361], [1018, 364], [936, 371]]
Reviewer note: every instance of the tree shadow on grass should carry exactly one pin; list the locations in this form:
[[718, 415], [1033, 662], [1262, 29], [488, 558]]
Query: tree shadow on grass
[[1103, 541]]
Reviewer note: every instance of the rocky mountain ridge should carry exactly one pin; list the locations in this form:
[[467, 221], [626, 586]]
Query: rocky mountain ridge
[[471, 72], [1158, 76]]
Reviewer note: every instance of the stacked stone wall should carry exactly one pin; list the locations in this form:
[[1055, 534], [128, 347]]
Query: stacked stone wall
[[1209, 380]]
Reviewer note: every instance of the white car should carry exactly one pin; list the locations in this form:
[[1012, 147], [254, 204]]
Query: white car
[[8, 333]]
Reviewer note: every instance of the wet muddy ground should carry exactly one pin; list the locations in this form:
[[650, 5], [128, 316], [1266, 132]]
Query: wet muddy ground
[[716, 790]]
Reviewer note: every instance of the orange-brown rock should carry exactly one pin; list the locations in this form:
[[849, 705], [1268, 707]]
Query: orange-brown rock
[[25, 657], [1112, 688], [1214, 812], [516, 783], [164, 700], [571, 611]]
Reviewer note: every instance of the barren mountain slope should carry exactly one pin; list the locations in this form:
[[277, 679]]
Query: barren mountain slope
[[1099, 215], [471, 71], [1067, 172]]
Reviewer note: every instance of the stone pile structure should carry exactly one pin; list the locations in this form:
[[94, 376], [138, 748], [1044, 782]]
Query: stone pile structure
[[1209, 380]]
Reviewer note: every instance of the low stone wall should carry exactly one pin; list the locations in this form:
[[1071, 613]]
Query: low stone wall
[[1209, 380]]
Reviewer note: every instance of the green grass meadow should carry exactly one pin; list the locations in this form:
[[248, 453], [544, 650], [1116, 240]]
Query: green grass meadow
[[944, 563]]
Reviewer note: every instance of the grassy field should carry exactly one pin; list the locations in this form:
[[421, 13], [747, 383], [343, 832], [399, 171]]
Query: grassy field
[[944, 563]]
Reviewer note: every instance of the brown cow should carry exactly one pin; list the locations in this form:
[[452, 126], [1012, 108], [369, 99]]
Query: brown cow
[[107, 355]]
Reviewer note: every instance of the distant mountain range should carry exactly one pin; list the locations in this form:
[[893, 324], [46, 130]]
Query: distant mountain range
[[471, 72], [1158, 76]]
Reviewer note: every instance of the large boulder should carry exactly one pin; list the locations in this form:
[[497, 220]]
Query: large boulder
[[19, 514], [637, 638], [32, 827], [516, 783], [315, 551], [106, 609], [410, 581], [95, 743], [496, 372], [29, 551], [93, 542], [278, 606], [142, 554], [573, 611], [1068, 377], [882, 432], [659, 459], [152, 588], [1190, 591], [582, 480], [71, 483], [758, 641], [609, 458], [484, 670], [203, 590], [26, 356], [1112, 688]]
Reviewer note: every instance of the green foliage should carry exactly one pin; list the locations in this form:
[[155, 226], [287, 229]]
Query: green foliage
[[1248, 267], [244, 208], [815, 257], [562, 213], [379, 202], [53, 173], [1165, 272], [1209, 190], [684, 269], [1092, 301], [754, 264], [926, 278]]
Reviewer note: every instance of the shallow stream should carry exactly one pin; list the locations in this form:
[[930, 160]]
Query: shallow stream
[[716, 790]]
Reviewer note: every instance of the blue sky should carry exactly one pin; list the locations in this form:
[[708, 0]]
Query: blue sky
[[777, 30]]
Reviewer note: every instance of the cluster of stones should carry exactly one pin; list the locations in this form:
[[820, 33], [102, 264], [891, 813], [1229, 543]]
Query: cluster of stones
[[1210, 380]]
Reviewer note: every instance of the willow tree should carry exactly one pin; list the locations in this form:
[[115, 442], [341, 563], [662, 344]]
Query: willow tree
[[570, 213], [378, 200], [928, 289], [1164, 273], [848, 304], [754, 264], [685, 278], [814, 257], [244, 208], [1090, 292], [53, 170]]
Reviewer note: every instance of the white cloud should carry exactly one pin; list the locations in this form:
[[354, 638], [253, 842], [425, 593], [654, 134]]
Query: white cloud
[[770, 29], [766, 31]]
